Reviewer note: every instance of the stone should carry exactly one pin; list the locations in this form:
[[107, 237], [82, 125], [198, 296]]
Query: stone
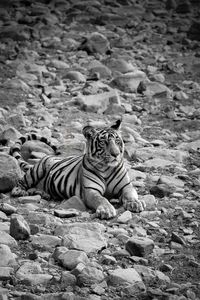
[[123, 277], [177, 239], [19, 228], [30, 273], [3, 216], [7, 208], [193, 32], [95, 43], [139, 246], [7, 239], [7, 258], [72, 203], [6, 273], [149, 275], [124, 217], [129, 82], [90, 274], [83, 236], [9, 173], [45, 241], [120, 65], [67, 279], [98, 103], [150, 201], [75, 76], [108, 260], [66, 213], [161, 190], [71, 258]]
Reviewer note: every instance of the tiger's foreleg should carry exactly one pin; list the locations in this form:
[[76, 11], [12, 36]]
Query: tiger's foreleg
[[129, 198], [103, 208]]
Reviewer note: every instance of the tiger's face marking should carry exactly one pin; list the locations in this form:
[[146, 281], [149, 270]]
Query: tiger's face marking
[[105, 146]]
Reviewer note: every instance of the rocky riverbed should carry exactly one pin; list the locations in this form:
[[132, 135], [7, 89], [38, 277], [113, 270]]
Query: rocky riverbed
[[66, 63]]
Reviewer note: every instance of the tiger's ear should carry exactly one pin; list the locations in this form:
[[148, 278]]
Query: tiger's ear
[[88, 131], [117, 124]]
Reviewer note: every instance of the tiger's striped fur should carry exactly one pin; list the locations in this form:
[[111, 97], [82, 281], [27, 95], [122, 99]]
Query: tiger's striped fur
[[96, 176]]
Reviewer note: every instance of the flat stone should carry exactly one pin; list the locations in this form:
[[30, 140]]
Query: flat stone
[[139, 246], [98, 103], [83, 236], [123, 276], [45, 241], [74, 203], [95, 43], [129, 82], [148, 275], [150, 202], [19, 228], [66, 213]]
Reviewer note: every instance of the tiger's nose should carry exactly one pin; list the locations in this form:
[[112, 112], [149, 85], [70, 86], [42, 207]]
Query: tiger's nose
[[114, 152]]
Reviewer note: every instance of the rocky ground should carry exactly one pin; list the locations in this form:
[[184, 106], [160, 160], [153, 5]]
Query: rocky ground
[[63, 63]]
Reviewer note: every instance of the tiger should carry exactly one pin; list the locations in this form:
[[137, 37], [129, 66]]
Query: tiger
[[97, 176]]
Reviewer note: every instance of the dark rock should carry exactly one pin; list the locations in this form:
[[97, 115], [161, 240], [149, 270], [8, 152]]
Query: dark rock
[[139, 246]]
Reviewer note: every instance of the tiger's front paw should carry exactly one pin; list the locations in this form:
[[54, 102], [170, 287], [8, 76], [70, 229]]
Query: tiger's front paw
[[17, 191], [134, 205], [105, 211]]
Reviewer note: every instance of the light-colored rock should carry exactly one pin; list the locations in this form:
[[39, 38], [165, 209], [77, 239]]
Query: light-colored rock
[[125, 217], [75, 76], [72, 203], [7, 258], [129, 82], [7, 208], [149, 275], [9, 172], [123, 276], [150, 201], [98, 103], [7, 239], [71, 258], [96, 43]]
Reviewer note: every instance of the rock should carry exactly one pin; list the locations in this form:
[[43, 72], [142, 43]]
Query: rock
[[98, 103], [7, 208], [7, 258], [6, 273], [6, 239], [75, 76], [95, 67], [19, 228], [150, 202], [108, 260], [58, 64], [193, 32], [120, 65], [95, 43], [9, 173], [66, 213], [72, 203], [129, 82], [125, 217], [71, 258], [82, 236], [183, 7], [123, 277], [3, 216], [161, 190], [67, 279], [30, 199], [177, 239], [149, 275], [45, 241], [30, 273], [89, 274], [16, 120], [139, 246]]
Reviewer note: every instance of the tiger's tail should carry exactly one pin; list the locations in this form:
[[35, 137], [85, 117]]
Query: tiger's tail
[[15, 150]]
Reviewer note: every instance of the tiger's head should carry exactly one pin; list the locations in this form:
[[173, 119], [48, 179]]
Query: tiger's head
[[105, 147]]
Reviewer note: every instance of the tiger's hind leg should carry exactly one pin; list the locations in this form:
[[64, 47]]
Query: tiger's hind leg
[[28, 184]]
